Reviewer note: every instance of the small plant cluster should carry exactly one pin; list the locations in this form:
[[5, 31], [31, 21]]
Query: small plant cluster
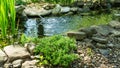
[[56, 51]]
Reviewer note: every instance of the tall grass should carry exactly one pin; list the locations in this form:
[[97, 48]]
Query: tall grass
[[7, 17]]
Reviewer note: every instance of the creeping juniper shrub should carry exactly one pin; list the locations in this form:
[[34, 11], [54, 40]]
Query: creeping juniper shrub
[[56, 50]]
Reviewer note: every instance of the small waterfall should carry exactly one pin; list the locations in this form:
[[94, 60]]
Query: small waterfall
[[31, 28], [49, 26]]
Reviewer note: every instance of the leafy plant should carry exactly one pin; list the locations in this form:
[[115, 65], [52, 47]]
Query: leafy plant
[[7, 17], [56, 50], [24, 39]]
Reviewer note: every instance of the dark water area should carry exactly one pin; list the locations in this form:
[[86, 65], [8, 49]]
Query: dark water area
[[49, 26]]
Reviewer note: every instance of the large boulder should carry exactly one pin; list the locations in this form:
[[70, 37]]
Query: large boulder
[[3, 58], [16, 52]]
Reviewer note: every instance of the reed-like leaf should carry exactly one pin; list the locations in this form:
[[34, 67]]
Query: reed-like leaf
[[7, 17]]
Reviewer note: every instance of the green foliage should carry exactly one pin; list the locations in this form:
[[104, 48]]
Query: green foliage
[[24, 2], [56, 50], [96, 20], [24, 39], [7, 17], [62, 2]]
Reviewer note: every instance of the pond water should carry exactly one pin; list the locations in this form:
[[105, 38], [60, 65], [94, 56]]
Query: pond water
[[51, 25]]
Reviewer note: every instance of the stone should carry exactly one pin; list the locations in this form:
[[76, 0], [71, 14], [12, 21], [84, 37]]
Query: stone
[[17, 63], [48, 6], [77, 35], [103, 30], [74, 9], [117, 45], [30, 47], [103, 66], [20, 14], [104, 52], [110, 45], [116, 33], [80, 9], [114, 24], [56, 10], [8, 65], [3, 57], [29, 64], [89, 31], [87, 59], [16, 52], [36, 12], [65, 9], [101, 45], [100, 40], [19, 9]]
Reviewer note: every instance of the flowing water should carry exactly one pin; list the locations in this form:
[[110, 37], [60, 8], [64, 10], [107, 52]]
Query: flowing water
[[52, 25]]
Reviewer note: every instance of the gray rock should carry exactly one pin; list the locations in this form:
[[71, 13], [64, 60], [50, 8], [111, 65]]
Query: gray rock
[[20, 14], [29, 64], [104, 51], [56, 10], [89, 31], [19, 9], [116, 33], [80, 10], [16, 52], [8, 65], [36, 12], [17, 63], [103, 30], [117, 45], [3, 57], [100, 40], [74, 9], [101, 45], [110, 45], [115, 24], [77, 35], [65, 9], [30, 47]]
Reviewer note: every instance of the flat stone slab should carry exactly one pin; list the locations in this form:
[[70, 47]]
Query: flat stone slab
[[100, 40], [16, 52], [77, 35]]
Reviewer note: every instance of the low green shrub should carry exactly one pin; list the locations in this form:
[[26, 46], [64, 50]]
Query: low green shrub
[[56, 50]]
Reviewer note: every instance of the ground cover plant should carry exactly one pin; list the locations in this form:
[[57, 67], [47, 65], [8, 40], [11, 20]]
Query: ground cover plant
[[87, 21], [56, 51]]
